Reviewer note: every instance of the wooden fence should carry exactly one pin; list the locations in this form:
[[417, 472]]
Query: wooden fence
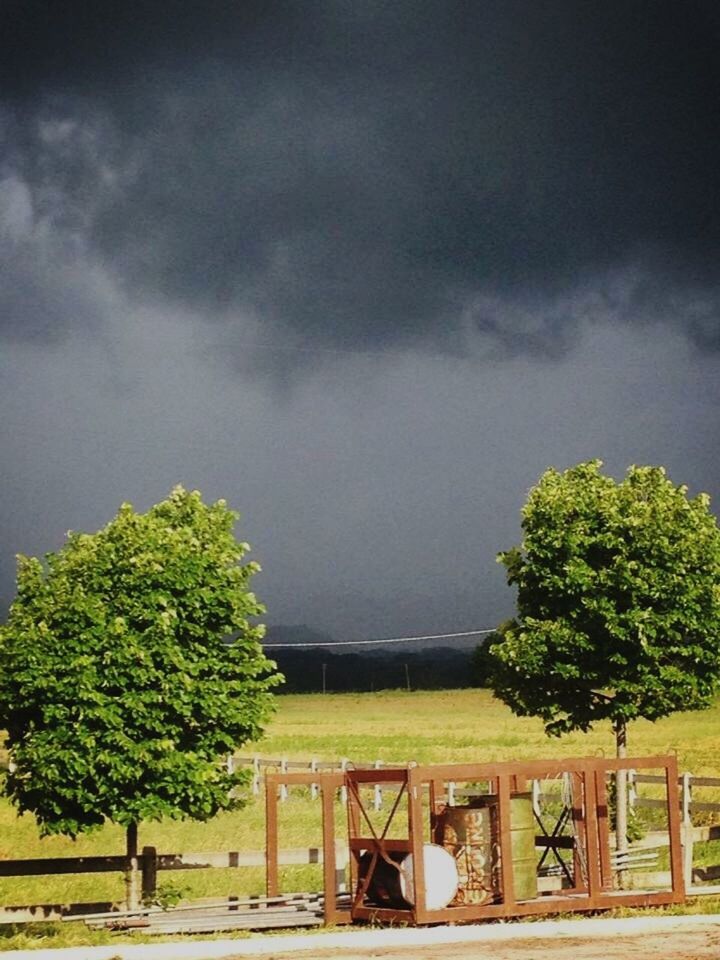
[[687, 782], [150, 862]]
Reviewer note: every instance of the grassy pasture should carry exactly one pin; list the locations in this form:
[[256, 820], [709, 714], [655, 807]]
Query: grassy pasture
[[464, 726], [394, 726]]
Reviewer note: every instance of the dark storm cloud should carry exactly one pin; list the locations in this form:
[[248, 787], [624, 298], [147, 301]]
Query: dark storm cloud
[[353, 174]]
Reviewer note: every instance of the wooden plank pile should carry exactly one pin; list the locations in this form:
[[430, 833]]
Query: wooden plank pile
[[255, 913]]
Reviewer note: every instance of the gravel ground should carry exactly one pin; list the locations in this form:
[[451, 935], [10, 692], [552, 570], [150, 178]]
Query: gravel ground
[[685, 937], [696, 944]]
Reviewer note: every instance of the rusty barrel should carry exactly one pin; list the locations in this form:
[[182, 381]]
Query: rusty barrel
[[468, 833], [471, 834]]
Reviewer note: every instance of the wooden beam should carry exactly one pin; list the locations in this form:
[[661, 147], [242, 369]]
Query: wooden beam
[[45, 866]]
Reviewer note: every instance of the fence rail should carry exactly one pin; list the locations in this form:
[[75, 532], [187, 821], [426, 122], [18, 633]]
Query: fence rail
[[41, 867], [150, 862], [687, 781]]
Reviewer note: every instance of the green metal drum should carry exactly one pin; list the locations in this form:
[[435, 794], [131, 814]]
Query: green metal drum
[[522, 834]]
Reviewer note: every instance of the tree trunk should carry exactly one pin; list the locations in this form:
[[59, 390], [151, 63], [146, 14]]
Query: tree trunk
[[621, 802], [132, 877]]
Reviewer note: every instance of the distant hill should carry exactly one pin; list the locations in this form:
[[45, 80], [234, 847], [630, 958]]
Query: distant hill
[[365, 669]]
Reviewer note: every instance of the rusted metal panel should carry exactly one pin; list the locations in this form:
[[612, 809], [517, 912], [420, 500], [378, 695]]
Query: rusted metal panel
[[332, 915], [372, 776], [506, 861], [589, 885], [673, 811], [358, 844], [328, 783], [417, 840], [606, 879]]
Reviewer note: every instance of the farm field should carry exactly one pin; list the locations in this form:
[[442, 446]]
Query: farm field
[[465, 725], [393, 726]]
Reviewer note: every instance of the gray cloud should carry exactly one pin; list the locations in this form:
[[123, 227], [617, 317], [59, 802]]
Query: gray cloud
[[380, 174], [377, 497], [468, 240]]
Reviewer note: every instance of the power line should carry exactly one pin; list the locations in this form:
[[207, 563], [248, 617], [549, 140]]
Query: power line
[[358, 643]]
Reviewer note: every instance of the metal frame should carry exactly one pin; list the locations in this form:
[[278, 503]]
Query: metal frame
[[590, 819], [329, 783], [592, 875]]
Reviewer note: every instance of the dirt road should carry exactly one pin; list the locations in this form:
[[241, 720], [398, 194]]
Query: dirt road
[[699, 943]]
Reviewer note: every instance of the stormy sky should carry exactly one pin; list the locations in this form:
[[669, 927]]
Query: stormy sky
[[365, 268]]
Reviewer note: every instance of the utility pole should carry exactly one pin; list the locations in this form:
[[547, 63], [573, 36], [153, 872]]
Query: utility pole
[[407, 677], [324, 671]]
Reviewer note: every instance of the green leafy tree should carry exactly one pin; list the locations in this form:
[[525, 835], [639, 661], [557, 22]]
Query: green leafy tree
[[482, 663], [130, 669], [618, 600]]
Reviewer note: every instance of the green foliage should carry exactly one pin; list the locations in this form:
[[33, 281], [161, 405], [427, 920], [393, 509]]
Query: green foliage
[[166, 896], [482, 664], [635, 827], [120, 688], [618, 601]]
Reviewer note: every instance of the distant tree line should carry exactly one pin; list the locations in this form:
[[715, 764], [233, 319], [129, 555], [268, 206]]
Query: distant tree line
[[311, 671]]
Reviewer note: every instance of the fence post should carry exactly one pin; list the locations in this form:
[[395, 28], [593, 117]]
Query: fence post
[[537, 809], [341, 864], [377, 792], [631, 790], [283, 786], [343, 788], [451, 793], [149, 874], [687, 828], [313, 786], [256, 776]]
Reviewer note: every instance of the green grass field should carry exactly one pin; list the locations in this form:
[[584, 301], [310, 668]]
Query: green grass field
[[395, 726], [462, 726]]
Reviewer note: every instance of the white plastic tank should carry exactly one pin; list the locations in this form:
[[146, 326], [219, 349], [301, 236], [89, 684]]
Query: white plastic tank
[[441, 877]]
